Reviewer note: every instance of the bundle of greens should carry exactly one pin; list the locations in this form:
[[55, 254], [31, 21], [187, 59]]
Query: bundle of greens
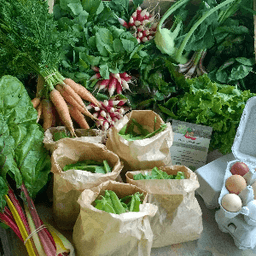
[[102, 41], [30, 42], [112, 204], [211, 27], [25, 168], [159, 174], [135, 131], [90, 166]]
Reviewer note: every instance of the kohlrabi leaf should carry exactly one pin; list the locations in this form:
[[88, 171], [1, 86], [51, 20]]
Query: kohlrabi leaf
[[22, 154]]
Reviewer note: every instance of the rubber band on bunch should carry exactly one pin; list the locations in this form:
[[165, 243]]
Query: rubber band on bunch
[[34, 232]]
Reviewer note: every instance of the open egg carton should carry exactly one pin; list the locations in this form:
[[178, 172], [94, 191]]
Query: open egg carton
[[237, 200]]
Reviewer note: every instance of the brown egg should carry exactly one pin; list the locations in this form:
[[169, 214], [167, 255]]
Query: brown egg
[[240, 168], [235, 184], [231, 202]]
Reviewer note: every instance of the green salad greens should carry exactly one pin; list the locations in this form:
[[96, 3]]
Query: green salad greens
[[159, 175], [90, 166], [112, 204], [129, 133], [61, 135], [23, 158]]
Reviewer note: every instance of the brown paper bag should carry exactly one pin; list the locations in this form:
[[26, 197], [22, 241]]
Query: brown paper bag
[[97, 232], [146, 153], [90, 135], [179, 216], [68, 185]]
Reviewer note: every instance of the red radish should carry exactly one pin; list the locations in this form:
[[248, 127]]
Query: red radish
[[103, 84], [123, 22], [112, 86], [118, 88], [96, 69], [125, 85], [96, 76], [143, 22]]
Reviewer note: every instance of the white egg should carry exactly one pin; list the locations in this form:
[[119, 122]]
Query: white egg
[[231, 202]]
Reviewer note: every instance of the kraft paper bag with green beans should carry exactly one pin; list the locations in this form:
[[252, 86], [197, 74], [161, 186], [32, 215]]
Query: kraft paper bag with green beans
[[54, 135], [179, 216], [68, 185], [97, 232], [143, 153]]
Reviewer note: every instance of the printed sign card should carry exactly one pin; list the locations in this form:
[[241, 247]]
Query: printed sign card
[[190, 144]]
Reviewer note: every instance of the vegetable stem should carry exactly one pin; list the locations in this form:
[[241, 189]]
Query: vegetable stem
[[172, 9], [196, 25]]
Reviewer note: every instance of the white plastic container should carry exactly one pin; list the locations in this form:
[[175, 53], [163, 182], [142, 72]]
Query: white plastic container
[[242, 224]]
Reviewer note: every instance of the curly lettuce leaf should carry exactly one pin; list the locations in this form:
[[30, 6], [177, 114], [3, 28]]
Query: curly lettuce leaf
[[212, 104], [22, 153]]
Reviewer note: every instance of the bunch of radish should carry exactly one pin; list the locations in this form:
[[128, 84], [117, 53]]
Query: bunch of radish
[[142, 24], [116, 82], [109, 111]]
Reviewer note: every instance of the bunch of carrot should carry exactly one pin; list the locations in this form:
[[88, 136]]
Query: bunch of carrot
[[142, 23], [62, 101]]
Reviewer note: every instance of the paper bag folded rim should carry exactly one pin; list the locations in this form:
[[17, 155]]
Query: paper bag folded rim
[[87, 135], [160, 186]]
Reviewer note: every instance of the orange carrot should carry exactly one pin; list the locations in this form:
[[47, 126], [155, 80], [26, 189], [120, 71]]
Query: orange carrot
[[35, 102], [55, 116], [47, 113], [62, 109], [68, 98], [73, 94], [82, 91], [78, 117], [39, 86], [39, 111]]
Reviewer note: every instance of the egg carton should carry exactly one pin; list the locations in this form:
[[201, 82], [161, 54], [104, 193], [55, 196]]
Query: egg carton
[[243, 149], [210, 177]]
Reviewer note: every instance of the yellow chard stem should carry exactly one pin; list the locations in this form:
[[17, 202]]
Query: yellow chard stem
[[21, 227]]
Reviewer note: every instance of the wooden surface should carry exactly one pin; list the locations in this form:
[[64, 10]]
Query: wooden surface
[[211, 242]]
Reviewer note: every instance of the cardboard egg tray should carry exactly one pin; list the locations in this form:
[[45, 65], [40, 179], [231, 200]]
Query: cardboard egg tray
[[242, 224]]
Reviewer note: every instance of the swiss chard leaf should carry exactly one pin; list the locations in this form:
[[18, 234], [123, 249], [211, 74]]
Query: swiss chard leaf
[[23, 156]]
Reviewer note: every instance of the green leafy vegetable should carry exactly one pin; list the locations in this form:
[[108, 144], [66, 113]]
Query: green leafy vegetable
[[60, 135], [159, 174], [129, 133], [112, 204], [90, 166], [216, 105], [23, 156]]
